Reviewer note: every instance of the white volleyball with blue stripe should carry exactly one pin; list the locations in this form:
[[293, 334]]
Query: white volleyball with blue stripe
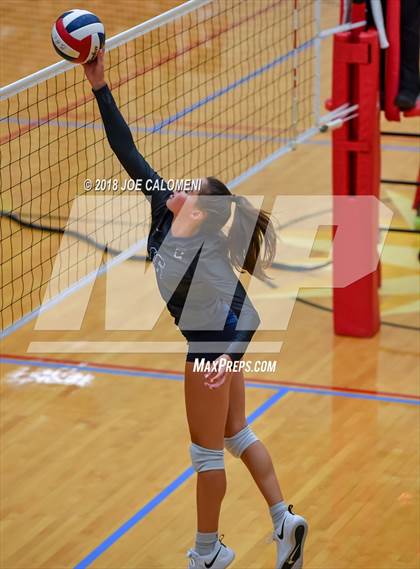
[[78, 35]]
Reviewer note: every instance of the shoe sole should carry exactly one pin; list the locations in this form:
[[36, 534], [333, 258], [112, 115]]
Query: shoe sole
[[301, 532]]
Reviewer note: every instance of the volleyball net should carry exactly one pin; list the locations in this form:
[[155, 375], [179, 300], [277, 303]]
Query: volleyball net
[[212, 87]]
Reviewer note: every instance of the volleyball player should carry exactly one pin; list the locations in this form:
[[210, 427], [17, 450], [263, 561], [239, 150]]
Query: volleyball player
[[192, 258]]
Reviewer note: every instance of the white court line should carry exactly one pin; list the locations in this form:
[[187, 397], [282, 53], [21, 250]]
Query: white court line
[[157, 347]]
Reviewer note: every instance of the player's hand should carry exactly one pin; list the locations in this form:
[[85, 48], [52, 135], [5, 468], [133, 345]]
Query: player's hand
[[95, 71], [220, 375]]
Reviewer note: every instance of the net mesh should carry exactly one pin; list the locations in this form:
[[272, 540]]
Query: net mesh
[[214, 92]]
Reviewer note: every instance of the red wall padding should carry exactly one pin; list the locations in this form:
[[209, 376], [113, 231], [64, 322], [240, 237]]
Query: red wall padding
[[392, 60]]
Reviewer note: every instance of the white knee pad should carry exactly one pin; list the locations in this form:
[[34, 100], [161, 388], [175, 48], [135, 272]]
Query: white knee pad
[[237, 444], [206, 458]]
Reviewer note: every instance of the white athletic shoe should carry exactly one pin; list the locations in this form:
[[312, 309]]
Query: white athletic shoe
[[221, 557], [290, 539]]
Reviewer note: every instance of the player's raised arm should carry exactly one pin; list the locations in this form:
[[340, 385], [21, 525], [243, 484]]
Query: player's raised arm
[[119, 134]]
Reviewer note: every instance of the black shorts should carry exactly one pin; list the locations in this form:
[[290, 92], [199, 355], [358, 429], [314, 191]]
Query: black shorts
[[218, 340]]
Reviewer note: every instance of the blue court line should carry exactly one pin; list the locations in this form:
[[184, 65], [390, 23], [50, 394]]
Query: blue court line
[[237, 83], [372, 397], [191, 132], [188, 473], [141, 514], [399, 148], [194, 133], [385, 147], [180, 377], [166, 492]]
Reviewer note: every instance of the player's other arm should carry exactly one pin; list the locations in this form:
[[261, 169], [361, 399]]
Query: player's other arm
[[119, 135]]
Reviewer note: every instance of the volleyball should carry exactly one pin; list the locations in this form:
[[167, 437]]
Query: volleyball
[[78, 35]]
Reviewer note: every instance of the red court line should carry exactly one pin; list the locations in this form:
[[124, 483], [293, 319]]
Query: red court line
[[249, 379], [151, 67]]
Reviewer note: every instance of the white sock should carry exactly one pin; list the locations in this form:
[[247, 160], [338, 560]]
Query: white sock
[[277, 513], [205, 542]]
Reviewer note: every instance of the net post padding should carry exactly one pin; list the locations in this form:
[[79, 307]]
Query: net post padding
[[392, 61], [356, 172], [416, 202]]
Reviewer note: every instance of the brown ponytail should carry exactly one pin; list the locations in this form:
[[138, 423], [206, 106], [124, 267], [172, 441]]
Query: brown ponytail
[[241, 255], [263, 237]]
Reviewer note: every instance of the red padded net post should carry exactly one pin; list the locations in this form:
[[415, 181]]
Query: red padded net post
[[356, 172]]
